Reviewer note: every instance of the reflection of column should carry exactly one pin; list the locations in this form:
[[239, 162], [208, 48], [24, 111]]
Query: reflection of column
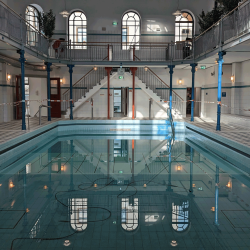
[[216, 196], [24, 198], [49, 170], [71, 165], [133, 70], [191, 172], [169, 164], [108, 69], [108, 163], [133, 160]]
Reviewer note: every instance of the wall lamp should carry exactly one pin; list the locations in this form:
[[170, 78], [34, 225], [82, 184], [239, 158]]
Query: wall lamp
[[61, 80], [232, 79], [8, 77], [180, 81], [146, 68], [95, 68]]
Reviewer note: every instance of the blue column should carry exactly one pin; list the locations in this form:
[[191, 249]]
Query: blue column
[[220, 62], [48, 64], [171, 71], [22, 61], [71, 90], [216, 196], [193, 65]]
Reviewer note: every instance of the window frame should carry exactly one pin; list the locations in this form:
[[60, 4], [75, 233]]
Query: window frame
[[76, 44], [126, 45], [184, 22]]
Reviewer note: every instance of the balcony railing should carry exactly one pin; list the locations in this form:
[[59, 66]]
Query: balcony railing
[[88, 51], [233, 25]]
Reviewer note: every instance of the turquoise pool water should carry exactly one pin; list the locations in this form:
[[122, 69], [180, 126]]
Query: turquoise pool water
[[125, 193]]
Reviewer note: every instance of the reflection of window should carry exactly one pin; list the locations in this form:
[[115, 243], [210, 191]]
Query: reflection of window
[[31, 16], [131, 30], [78, 213], [180, 216], [78, 30], [151, 218], [129, 215], [183, 27]]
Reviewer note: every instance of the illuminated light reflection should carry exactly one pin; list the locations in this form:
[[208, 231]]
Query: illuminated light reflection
[[66, 243], [213, 209], [45, 187], [174, 243], [11, 185]]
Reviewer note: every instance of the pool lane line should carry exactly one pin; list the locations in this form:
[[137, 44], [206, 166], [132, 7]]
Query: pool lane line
[[98, 162]]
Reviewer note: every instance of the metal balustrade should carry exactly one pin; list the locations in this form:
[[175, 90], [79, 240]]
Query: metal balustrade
[[82, 86], [159, 87], [234, 24]]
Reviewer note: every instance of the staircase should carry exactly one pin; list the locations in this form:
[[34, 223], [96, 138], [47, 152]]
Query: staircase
[[83, 89], [162, 90]]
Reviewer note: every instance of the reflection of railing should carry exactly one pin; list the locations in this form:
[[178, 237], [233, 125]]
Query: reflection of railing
[[82, 86], [159, 87], [234, 24]]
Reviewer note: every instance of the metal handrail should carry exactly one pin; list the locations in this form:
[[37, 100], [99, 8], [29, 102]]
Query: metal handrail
[[39, 111], [159, 78]]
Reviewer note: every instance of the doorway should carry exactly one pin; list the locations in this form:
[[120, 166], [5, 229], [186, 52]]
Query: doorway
[[121, 102], [197, 102]]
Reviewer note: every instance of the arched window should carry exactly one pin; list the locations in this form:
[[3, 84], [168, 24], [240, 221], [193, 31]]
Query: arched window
[[180, 216], [184, 27], [131, 29], [129, 216], [78, 213], [31, 16], [77, 33]]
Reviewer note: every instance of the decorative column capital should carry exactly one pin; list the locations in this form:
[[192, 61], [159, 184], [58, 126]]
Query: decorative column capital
[[70, 66], [21, 53], [48, 65], [193, 65], [133, 69], [171, 69], [221, 54]]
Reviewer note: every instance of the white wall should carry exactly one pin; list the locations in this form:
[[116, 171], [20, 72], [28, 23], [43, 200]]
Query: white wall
[[100, 14], [37, 93]]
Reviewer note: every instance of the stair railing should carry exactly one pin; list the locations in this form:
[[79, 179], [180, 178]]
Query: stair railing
[[162, 89], [82, 86]]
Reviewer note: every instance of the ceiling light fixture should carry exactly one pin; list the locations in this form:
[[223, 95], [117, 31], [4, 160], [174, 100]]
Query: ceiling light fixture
[[177, 12], [65, 13]]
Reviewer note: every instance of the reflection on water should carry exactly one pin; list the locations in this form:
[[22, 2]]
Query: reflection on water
[[116, 193]]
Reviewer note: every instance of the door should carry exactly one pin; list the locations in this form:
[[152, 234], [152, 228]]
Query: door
[[55, 94], [18, 98], [118, 102]]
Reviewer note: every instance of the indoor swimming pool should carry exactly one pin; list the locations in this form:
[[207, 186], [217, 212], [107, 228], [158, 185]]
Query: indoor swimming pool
[[123, 192]]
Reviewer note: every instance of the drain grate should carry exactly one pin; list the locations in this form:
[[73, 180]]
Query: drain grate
[[10, 218], [238, 218]]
